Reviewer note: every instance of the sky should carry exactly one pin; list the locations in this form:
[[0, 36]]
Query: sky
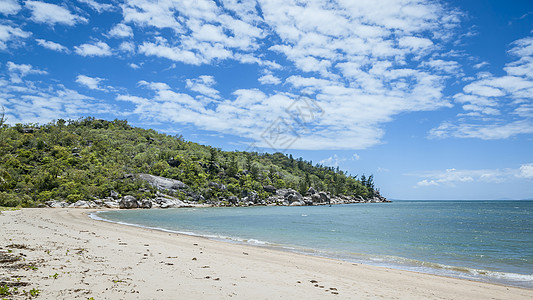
[[434, 98]]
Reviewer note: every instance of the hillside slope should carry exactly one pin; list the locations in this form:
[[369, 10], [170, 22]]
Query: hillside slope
[[90, 159]]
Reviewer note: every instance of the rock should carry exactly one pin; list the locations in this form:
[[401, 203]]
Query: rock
[[168, 202], [292, 196], [56, 204], [128, 202], [75, 150], [28, 130], [111, 204], [324, 198], [316, 198], [270, 189], [163, 183], [114, 195], [296, 203], [311, 191], [145, 203], [82, 204], [218, 186], [251, 197], [233, 200]]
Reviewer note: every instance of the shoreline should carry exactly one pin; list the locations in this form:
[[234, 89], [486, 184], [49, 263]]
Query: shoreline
[[102, 259], [382, 261]]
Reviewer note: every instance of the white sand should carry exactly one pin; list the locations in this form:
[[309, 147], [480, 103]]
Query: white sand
[[110, 261]]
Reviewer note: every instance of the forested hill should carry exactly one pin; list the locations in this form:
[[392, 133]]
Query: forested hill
[[90, 159]]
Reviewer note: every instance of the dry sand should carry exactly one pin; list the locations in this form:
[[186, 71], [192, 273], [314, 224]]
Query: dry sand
[[79, 258]]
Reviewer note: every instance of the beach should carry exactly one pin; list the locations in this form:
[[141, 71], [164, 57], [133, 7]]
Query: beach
[[64, 254]]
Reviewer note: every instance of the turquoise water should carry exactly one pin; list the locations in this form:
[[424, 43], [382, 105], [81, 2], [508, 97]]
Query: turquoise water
[[481, 240]]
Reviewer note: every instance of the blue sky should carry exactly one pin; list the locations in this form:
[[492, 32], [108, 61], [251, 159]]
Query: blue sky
[[435, 98]]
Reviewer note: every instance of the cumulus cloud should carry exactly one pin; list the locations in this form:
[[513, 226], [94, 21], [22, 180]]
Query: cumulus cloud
[[121, 31], [33, 101], [10, 34], [269, 79], [42, 12], [17, 72], [526, 171], [52, 45], [509, 98], [92, 83], [9, 7], [95, 49]]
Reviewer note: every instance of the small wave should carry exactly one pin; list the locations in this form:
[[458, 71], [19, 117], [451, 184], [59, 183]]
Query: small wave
[[395, 262]]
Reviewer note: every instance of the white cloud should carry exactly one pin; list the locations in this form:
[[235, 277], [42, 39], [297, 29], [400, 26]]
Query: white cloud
[[92, 83], [356, 156], [451, 177], [127, 47], [332, 161], [121, 31], [9, 34], [95, 49], [509, 97], [52, 45], [134, 66], [360, 62], [269, 79], [17, 72], [35, 101], [426, 182], [99, 7], [52, 14], [9, 7], [526, 171], [203, 85]]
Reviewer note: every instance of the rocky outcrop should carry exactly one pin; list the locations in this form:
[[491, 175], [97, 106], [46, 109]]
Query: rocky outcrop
[[128, 202], [162, 183]]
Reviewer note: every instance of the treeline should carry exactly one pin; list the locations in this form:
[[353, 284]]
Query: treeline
[[88, 158]]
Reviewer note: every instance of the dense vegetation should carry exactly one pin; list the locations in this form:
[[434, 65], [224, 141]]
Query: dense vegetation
[[88, 158]]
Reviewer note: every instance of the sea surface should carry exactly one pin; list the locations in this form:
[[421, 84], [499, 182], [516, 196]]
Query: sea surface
[[488, 241]]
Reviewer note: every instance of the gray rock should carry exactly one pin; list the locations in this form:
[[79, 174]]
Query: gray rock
[[56, 204], [270, 189], [324, 197], [316, 198], [128, 202], [293, 196], [114, 194], [82, 204], [145, 203], [218, 186], [163, 183], [233, 199], [311, 191], [111, 204], [296, 203]]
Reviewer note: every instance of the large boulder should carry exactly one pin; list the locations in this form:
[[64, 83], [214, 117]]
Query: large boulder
[[128, 202], [56, 204], [293, 196], [324, 198], [111, 204], [270, 189], [145, 203], [316, 198], [163, 183], [233, 200]]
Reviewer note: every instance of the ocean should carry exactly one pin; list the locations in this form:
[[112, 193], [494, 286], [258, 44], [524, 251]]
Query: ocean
[[489, 241]]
